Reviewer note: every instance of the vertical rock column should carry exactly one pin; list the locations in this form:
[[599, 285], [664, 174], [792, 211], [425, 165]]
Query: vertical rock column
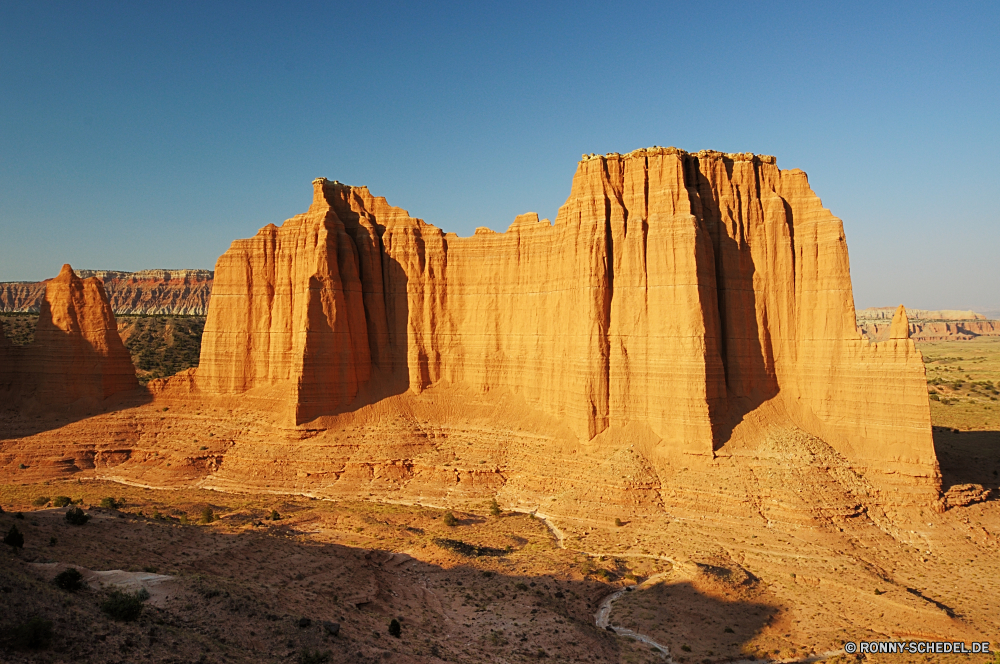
[[77, 352]]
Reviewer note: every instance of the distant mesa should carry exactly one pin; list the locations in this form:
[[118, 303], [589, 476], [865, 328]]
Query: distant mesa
[[184, 292], [699, 296], [926, 325], [76, 356]]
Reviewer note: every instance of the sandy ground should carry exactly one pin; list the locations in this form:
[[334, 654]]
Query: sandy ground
[[777, 551]]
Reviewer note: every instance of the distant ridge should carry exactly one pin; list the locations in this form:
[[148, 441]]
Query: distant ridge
[[928, 325], [161, 291]]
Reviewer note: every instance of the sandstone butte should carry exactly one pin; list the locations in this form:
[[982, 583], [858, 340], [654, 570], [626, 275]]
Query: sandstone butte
[[145, 292], [689, 299], [77, 356]]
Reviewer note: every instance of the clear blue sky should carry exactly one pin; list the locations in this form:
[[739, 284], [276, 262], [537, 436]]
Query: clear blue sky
[[151, 134]]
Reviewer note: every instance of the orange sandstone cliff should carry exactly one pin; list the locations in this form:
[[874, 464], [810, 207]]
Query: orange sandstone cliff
[[77, 353], [691, 294]]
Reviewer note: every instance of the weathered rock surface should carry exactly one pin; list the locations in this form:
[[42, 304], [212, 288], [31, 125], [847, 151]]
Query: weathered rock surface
[[145, 292], [697, 295], [76, 354]]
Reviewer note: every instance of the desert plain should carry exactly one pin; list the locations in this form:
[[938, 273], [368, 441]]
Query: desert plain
[[397, 447]]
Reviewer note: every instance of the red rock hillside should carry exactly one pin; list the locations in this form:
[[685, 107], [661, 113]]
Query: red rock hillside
[[77, 353], [696, 296]]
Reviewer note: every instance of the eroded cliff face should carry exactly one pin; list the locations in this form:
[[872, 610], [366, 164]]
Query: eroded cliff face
[[77, 353], [686, 293]]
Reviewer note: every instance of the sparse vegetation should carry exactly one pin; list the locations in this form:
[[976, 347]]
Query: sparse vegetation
[[207, 515], [69, 579], [494, 508], [123, 605], [110, 503], [62, 501], [618, 522], [33, 634], [14, 538], [274, 516], [76, 516], [450, 520], [307, 656], [40, 501], [468, 550]]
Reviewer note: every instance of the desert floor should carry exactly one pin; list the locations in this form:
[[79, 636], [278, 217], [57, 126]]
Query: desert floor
[[812, 567]]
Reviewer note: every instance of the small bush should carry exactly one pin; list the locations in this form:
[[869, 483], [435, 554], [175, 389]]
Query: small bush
[[307, 656], [76, 516], [494, 507], [450, 520], [184, 519], [41, 501], [69, 579], [618, 522], [14, 538], [466, 549], [61, 501], [275, 516], [123, 605], [35, 633], [207, 515], [394, 628], [110, 503]]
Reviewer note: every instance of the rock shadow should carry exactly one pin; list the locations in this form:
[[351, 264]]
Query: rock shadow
[[271, 581], [750, 377], [23, 416], [968, 457]]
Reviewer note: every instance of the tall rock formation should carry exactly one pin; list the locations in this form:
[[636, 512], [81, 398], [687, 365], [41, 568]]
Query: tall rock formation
[[77, 353], [900, 328], [681, 291]]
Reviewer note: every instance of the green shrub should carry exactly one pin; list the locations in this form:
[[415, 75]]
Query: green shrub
[[394, 628], [76, 516], [35, 633], [123, 605], [41, 501], [61, 501], [466, 549], [450, 520], [14, 538], [69, 579], [110, 503], [618, 522], [494, 507], [275, 516], [207, 515]]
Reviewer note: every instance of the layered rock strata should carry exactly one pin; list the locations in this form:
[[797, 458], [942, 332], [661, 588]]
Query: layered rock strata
[[149, 292], [680, 291], [77, 353]]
